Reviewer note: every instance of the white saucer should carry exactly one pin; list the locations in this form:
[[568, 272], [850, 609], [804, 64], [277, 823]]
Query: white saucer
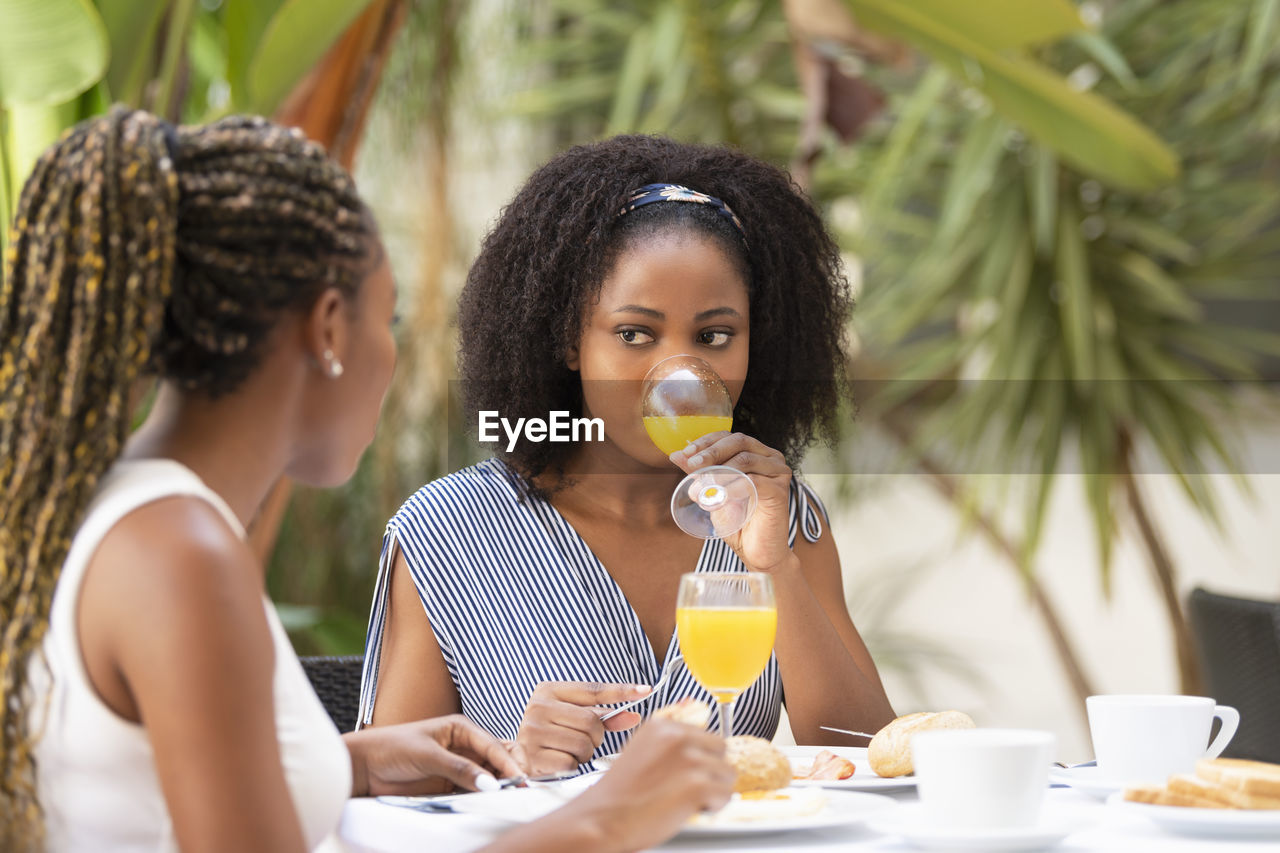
[[1087, 780], [910, 824]]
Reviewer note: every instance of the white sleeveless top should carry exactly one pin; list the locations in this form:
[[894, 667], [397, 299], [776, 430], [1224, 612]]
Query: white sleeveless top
[[97, 780]]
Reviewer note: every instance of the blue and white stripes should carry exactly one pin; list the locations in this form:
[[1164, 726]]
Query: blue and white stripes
[[516, 597]]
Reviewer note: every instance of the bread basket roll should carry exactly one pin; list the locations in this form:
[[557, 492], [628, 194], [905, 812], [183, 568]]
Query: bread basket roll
[[688, 710], [890, 751], [760, 766]]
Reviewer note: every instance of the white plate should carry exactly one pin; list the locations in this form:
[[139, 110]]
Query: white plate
[[1205, 823], [910, 824], [839, 808], [1086, 780], [863, 778]]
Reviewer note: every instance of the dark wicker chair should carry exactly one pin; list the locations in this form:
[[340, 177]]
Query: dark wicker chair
[[336, 681], [1238, 642]]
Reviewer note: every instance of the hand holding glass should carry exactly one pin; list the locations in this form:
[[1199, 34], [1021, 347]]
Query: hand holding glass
[[682, 400], [726, 622]]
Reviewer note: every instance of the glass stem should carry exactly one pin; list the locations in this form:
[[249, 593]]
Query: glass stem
[[726, 717]]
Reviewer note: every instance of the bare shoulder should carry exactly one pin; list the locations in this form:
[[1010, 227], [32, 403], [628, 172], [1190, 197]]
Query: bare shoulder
[[170, 583], [175, 638], [818, 558], [176, 546]]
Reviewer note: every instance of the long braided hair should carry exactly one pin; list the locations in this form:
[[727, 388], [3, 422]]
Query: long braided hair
[[138, 248]]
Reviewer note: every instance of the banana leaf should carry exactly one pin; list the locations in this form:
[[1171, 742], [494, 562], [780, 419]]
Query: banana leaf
[[50, 50], [246, 22], [131, 29], [297, 37]]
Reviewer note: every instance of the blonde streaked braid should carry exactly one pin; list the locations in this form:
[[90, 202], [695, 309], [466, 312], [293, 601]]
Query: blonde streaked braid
[[136, 248]]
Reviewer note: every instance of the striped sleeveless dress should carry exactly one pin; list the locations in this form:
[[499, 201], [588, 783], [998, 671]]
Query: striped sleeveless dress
[[516, 597]]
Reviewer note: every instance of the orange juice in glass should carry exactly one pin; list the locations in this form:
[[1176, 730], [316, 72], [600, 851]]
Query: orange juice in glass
[[674, 432], [726, 648], [682, 399], [726, 623]]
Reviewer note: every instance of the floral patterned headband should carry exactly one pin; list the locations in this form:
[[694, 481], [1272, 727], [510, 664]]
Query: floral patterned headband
[[650, 193]]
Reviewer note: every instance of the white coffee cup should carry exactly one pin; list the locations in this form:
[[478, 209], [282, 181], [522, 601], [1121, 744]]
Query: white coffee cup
[[982, 778], [1142, 738]]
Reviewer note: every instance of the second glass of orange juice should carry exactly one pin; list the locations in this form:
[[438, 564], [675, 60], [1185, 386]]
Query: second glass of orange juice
[[726, 622]]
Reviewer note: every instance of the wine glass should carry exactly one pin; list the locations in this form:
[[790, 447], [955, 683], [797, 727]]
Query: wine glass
[[726, 622], [682, 400]]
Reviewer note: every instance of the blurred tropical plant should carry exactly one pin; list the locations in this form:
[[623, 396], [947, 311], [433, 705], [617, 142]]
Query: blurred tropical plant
[[1022, 225], [876, 605], [327, 552], [188, 60], [1036, 319], [773, 79], [715, 71], [314, 64]]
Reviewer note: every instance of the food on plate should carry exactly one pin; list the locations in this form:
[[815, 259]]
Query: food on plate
[[688, 710], [827, 766], [889, 753], [765, 806], [760, 766], [1250, 777], [1158, 795], [1219, 793], [1218, 783]]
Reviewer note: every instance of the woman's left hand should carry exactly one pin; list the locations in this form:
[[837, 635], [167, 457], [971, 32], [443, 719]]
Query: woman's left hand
[[762, 543], [428, 757]]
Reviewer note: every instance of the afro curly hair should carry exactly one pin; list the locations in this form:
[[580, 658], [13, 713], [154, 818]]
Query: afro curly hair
[[543, 264]]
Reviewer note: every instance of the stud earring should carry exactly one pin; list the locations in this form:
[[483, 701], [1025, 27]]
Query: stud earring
[[334, 366]]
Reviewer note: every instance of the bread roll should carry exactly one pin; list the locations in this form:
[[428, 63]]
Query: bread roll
[[760, 766], [688, 710], [890, 751]]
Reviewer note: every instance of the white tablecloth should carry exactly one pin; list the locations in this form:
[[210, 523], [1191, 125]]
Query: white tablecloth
[[368, 825]]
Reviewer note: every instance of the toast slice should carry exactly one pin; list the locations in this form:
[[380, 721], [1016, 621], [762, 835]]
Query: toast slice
[[1158, 795], [1185, 783], [1250, 777]]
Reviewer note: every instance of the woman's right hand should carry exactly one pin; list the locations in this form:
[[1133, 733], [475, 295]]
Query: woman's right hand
[[427, 757], [668, 772], [561, 727]]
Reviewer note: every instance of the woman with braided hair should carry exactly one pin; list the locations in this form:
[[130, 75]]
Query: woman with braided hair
[[149, 696]]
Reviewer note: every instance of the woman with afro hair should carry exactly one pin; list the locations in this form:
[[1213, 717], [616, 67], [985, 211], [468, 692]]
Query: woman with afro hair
[[535, 589]]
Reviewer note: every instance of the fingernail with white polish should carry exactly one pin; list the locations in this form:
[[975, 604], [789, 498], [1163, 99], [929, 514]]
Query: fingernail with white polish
[[485, 782], [695, 460]]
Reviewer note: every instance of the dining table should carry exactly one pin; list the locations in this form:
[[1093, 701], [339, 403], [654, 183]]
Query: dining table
[[1095, 825]]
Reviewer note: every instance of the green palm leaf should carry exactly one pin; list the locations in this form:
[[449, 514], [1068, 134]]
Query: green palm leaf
[[1003, 24], [1082, 128]]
